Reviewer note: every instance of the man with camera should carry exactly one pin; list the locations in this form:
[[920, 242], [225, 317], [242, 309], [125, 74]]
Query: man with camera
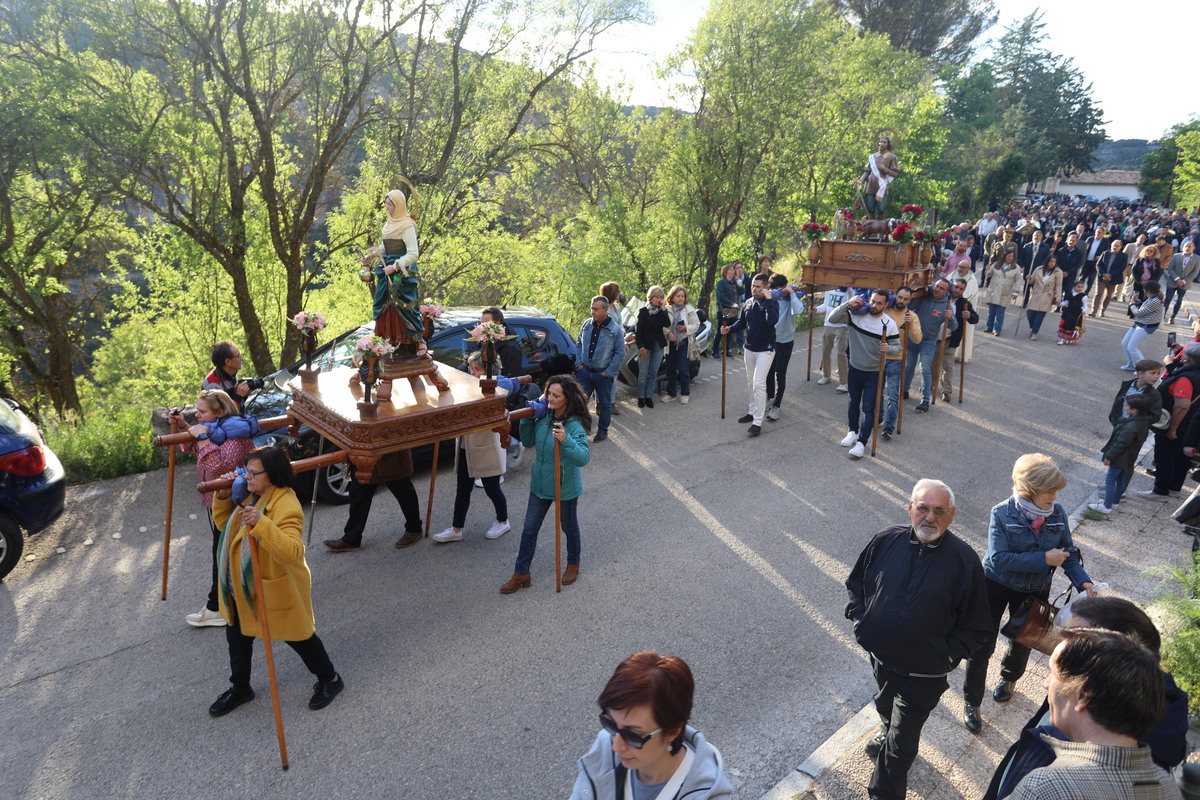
[[226, 361]]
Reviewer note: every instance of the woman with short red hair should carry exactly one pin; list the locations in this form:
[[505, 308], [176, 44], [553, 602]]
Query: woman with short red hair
[[645, 747]]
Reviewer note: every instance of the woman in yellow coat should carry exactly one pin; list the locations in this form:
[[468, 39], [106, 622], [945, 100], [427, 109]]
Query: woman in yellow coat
[[273, 516]]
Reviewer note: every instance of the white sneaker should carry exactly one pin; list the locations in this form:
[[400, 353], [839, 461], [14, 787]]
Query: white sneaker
[[498, 529], [1100, 508], [479, 481], [843, 388], [206, 619], [448, 535], [850, 439], [858, 450], [821, 381], [684, 399], [1150, 495], [666, 398], [773, 413]]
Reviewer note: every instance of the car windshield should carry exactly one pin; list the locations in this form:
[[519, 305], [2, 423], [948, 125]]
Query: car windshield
[[9, 421]]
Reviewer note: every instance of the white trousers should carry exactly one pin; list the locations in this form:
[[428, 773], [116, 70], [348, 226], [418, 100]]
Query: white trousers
[[757, 366]]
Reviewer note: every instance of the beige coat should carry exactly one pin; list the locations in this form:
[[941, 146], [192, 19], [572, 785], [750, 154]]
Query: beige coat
[[1002, 285], [1044, 290], [485, 457]]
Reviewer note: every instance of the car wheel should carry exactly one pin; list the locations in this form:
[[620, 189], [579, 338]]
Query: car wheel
[[333, 484], [12, 543]]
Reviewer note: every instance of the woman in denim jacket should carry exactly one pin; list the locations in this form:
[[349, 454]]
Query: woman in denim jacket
[[1028, 538]]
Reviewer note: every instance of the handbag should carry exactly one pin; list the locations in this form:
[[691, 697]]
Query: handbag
[[1032, 624], [1188, 512]]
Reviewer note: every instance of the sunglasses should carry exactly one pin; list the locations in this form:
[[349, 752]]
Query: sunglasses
[[634, 740]]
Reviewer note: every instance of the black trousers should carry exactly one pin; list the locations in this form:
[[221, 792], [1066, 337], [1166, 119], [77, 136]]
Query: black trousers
[[903, 703], [1015, 659], [462, 494], [777, 374], [1170, 464], [361, 496], [241, 650], [212, 605]]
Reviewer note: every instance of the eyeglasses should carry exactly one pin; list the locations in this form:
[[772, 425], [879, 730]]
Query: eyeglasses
[[938, 511], [252, 473], [634, 740]]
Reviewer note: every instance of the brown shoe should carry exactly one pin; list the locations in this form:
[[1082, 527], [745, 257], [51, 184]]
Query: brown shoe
[[341, 546], [409, 538], [517, 581], [570, 574]]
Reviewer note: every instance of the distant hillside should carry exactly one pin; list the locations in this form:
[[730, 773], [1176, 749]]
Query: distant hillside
[[1122, 154]]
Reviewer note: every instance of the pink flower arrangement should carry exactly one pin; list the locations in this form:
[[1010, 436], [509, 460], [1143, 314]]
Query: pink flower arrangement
[[374, 346], [430, 309], [309, 322], [487, 332]]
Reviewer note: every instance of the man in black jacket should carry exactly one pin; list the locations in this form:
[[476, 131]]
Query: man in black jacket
[[1110, 275], [1070, 261], [919, 607], [963, 310]]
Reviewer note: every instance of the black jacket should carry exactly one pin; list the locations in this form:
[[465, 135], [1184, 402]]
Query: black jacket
[[1033, 256], [651, 329], [1113, 265], [918, 609], [954, 338], [1118, 404]]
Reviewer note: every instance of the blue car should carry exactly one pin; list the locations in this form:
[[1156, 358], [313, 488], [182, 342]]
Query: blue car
[[33, 488]]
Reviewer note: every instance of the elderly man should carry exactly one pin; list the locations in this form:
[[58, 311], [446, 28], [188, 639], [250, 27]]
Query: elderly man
[[1105, 692], [1181, 271], [601, 349], [226, 361], [919, 606]]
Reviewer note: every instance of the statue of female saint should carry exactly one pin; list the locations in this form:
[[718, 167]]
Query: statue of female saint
[[393, 266]]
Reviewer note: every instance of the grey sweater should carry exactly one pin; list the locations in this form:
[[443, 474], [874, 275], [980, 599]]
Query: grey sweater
[[864, 335]]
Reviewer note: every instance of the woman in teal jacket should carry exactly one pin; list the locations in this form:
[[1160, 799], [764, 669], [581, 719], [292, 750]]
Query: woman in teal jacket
[[563, 417]]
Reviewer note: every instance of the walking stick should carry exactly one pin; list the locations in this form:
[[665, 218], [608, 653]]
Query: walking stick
[[724, 353], [812, 320], [962, 368], [266, 637], [936, 377], [432, 482], [557, 516], [903, 372], [170, 503], [879, 386]]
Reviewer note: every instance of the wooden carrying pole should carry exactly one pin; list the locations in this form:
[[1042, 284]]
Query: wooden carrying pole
[[170, 503], [962, 368], [432, 482], [812, 320], [903, 371], [724, 353], [557, 516], [936, 377], [303, 465], [266, 639], [879, 384]]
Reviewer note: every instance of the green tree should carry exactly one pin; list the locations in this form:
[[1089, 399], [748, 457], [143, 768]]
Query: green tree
[[1160, 167], [942, 30]]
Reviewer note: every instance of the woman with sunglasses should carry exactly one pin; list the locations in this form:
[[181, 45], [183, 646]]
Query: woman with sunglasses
[[645, 748], [273, 516], [220, 441]]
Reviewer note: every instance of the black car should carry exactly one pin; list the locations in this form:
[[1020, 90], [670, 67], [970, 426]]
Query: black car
[[33, 487], [546, 349]]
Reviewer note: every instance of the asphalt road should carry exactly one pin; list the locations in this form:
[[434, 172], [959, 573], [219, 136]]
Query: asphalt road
[[697, 541]]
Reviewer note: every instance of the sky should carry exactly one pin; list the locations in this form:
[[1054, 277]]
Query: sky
[[1130, 83]]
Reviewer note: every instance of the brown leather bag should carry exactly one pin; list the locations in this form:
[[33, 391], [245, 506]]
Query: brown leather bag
[[1033, 622]]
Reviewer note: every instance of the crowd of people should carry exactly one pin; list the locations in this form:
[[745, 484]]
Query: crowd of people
[[921, 600]]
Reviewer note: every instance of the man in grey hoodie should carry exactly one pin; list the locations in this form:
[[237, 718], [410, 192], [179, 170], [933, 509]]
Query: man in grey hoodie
[[872, 335]]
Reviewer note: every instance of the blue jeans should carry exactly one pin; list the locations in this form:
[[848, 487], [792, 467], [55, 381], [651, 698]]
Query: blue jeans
[[1133, 338], [1115, 481], [891, 390], [995, 319], [678, 369], [648, 372], [535, 513], [590, 380], [861, 413], [923, 354], [1035, 320]]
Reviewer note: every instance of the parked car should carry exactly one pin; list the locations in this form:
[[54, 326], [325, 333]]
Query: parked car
[[629, 367], [546, 349], [33, 487]]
